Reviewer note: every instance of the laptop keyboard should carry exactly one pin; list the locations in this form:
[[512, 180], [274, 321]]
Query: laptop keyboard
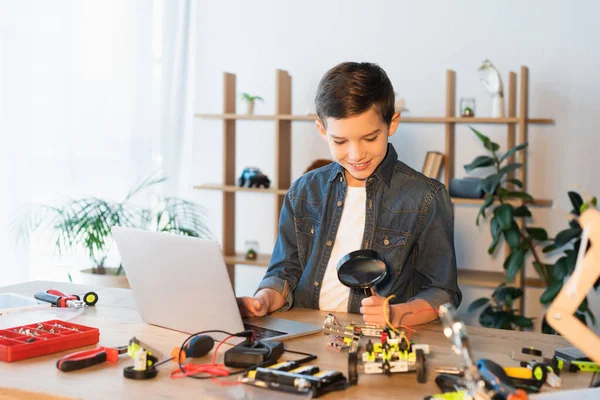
[[262, 333]]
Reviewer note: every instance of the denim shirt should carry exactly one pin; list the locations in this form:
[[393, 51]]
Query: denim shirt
[[409, 221]]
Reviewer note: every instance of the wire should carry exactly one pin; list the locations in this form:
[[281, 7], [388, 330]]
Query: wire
[[386, 306], [412, 315]]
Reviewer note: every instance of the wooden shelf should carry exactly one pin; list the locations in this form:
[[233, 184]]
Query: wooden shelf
[[424, 120], [514, 202], [455, 200], [490, 279], [240, 258], [231, 188]]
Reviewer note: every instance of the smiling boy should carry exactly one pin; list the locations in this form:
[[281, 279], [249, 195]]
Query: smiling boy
[[367, 199]]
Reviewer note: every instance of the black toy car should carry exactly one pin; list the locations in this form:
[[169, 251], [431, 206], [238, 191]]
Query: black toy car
[[253, 177]]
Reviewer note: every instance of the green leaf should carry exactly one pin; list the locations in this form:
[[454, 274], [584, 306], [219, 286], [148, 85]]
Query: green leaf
[[495, 227], [546, 328], [577, 202], [494, 244], [538, 234], [486, 203], [513, 151], [523, 322], [560, 269], [507, 294], [509, 168], [504, 214], [484, 139], [479, 162], [549, 248], [550, 293], [542, 268], [521, 211], [583, 307], [566, 236], [593, 203], [512, 236], [491, 146], [490, 183], [477, 304], [502, 320], [521, 195], [581, 317], [571, 260], [516, 182], [487, 317], [514, 264]]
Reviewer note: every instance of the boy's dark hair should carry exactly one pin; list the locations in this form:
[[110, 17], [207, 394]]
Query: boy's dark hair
[[351, 88]]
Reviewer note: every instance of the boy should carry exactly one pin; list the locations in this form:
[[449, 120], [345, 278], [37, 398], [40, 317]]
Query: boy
[[367, 199]]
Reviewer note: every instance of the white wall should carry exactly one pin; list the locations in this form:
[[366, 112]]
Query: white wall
[[415, 42]]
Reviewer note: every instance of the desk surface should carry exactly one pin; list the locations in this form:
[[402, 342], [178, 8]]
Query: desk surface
[[116, 317]]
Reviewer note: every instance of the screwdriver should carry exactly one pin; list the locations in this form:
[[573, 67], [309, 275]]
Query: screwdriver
[[87, 358], [90, 298], [60, 301]]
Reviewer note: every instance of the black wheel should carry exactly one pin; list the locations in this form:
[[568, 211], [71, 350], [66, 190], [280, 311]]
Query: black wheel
[[90, 298], [420, 366], [540, 372], [353, 368], [531, 351], [369, 347], [241, 182]]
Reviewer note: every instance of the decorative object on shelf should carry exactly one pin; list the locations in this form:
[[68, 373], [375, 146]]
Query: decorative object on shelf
[[318, 163], [467, 106], [253, 177], [399, 104], [85, 224], [252, 249], [466, 188], [432, 167], [490, 77], [523, 241], [250, 100]]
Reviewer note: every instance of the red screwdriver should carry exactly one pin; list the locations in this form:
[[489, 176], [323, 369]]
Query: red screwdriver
[[60, 301], [90, 298]]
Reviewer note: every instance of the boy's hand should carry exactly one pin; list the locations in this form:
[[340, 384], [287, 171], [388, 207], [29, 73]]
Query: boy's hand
[[252, 306], [372, 310]]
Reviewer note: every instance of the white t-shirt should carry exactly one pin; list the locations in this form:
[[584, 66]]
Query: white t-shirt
[[334, 295]]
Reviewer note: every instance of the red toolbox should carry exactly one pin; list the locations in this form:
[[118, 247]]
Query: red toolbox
[[43, 338]]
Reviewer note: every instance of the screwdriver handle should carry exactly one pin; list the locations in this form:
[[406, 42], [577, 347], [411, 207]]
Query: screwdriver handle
[[61, 294], [50, 298]]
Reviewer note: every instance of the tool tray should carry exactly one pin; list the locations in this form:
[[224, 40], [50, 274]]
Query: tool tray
[[42, 338]]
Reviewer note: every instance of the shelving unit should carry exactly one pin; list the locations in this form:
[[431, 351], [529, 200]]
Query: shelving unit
[[282, 179]]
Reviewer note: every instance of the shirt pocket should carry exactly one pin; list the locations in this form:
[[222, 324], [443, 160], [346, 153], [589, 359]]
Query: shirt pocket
[[391, 244], [307, 232]]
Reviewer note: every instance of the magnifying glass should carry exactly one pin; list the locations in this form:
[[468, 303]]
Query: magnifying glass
[[361, 269]]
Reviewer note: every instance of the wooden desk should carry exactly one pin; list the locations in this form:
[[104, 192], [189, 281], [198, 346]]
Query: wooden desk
[[116, 317]]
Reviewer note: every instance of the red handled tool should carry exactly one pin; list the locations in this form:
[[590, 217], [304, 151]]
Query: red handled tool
[[90, 298], [59, 301], [87, 358]]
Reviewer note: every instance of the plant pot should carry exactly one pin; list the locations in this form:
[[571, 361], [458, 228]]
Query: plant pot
[[88, 277], [250, 109]]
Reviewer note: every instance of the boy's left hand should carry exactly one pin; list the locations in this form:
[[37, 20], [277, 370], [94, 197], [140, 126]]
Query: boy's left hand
[[372, 310]]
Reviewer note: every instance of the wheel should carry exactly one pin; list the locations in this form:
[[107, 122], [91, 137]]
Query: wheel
[[241, 181], [90, 298], [531, 351], [353, 368], [420, 366], [540, 372], [369, 346]]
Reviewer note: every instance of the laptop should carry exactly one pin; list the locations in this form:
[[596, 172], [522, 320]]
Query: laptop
[[181, 283]]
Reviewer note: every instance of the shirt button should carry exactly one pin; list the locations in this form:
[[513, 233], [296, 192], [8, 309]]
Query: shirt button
[[339, 203], [316, 283], [329, 243], [386, 241], [341, 179]]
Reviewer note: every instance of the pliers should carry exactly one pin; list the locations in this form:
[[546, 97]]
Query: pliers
[[87, 358]]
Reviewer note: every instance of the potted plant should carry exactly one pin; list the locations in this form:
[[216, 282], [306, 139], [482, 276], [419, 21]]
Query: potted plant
[[250, 100], [85, 224]]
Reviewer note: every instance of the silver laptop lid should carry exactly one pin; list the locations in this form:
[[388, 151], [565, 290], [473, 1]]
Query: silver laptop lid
[[178, 282]]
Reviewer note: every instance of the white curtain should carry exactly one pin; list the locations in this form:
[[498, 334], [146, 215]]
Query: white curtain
[[94, 95]]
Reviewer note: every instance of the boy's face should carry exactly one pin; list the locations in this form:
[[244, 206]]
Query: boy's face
[[358, 143]]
